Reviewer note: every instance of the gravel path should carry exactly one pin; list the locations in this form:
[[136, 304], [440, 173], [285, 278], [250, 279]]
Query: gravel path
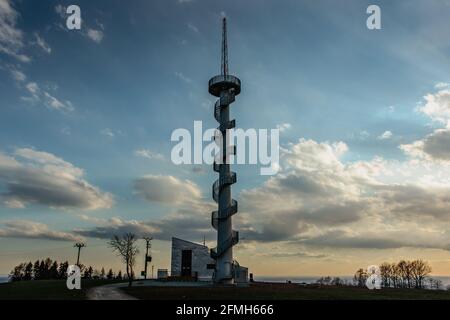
[[113, 292], [109, 292]]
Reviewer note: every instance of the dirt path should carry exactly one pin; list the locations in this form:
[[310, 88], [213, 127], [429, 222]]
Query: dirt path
[[108, 292]]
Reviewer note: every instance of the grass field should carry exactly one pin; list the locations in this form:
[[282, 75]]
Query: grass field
[[56, 290], [46, 290], [264, 291]]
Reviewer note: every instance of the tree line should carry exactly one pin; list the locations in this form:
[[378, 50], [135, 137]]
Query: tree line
[[332, 281], [125, 246], [402, 274], [47, 269]]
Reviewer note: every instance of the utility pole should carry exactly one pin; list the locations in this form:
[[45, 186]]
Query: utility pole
[[147, 257], [79, 246]]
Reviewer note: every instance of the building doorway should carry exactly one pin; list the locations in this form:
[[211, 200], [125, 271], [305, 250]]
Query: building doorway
[[186, 263]]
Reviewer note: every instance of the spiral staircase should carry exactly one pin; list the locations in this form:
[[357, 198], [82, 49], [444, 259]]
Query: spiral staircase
[[225, 87]]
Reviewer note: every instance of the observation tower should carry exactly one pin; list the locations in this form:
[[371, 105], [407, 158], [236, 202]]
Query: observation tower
[[225, 87]]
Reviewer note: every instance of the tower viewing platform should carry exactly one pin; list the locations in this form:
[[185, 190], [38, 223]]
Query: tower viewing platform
[[221, 83]]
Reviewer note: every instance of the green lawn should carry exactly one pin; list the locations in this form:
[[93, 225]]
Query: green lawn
[[46, 290], [282, 292]]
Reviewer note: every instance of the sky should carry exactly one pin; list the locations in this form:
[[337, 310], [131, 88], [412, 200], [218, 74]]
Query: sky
[[364, 118]]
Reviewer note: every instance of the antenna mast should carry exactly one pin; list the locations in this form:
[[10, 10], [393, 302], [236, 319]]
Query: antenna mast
[[224, 70]]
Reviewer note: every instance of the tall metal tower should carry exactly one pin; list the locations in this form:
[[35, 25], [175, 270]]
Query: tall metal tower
[[226, 87]]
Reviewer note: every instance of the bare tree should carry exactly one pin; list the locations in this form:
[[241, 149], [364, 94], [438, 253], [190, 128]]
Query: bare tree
[[438, 284], [127, 249], [434, 283], [386, 274], [419, 270], [395, 275], [360, 277], [404, 274]]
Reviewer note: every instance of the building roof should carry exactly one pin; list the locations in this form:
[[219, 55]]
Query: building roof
[[190, 242]]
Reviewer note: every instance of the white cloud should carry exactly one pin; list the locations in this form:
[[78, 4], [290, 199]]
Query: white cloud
[[441, 85], [38, 94], [385, 135], [361, 135], [11, 38], [18, 75], [167, 189], [437, 106], [434, 147], [20, 57], [37, 177], [34, 230], [186, 225], [315, 154], [318, 200], [364, 135], [106, 229], [283, 126], [95, 35], [33, 89], [182, 77], [14, 204], [189, 219], [146, 153], [53, 103], [40, 42], [60, 10], [50, 101], [108, 132], [193, 28]]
